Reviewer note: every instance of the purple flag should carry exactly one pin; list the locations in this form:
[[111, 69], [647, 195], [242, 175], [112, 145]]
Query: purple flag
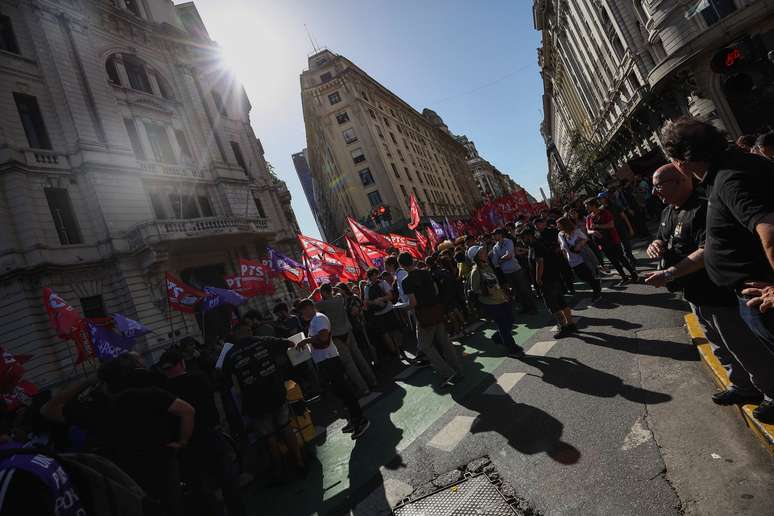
[[129, 327], [288, 267], [449, 227], [438, 229], [221, 296], [106, 343]]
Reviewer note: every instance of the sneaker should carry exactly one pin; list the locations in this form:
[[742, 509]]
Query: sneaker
[[348, 428], [765, 412], [736, 397], [421, 362], [622, 282], [517, 353], [571, 328], [635, 278], [596, 297], [562, 333], [449, 382], [361, 428]]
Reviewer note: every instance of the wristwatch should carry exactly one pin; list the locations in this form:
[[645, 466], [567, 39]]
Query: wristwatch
[[668, 275]]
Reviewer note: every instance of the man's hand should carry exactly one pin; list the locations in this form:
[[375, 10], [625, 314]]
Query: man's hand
[[761, 295], [655, 249], [657, 279]]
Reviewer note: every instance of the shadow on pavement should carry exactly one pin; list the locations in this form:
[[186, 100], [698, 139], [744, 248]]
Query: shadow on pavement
[[640, 346], [570, 373], [618, 324]]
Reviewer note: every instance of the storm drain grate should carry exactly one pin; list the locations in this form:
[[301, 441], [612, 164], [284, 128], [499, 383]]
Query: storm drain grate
[[473, 496]]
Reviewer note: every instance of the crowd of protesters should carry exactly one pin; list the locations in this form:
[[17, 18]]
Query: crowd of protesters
[[183, 428]]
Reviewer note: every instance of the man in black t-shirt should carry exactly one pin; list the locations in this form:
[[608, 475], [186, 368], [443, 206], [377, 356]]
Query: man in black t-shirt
[[681, 234], [251, 366], [432, 338], [547, 267], [739, 250], [208, 454]]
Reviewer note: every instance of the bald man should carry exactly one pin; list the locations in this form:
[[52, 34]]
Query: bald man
[[679, 246]]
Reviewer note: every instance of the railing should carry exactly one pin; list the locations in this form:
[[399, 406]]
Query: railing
[[45, 158], [169, 170], [156, 231]]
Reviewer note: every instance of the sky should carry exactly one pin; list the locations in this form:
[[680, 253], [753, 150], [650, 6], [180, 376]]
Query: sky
[[474, 63]]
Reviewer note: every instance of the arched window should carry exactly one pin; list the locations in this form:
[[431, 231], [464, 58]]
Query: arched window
[[139, 73]]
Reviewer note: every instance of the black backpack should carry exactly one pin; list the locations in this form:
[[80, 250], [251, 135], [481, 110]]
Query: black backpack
[[103, 487]]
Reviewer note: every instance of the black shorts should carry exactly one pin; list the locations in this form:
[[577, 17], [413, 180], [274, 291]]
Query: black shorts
[[553, 295]]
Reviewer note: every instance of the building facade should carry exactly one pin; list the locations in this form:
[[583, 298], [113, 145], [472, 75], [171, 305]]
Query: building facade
[[301, 164], [613, 72], [367, 148], [490, 181], [125, 152]]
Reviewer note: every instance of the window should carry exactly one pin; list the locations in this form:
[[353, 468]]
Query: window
[[342, 118], [7, 36], [182, 142], [358, 156], [363, 94], [386, 122], [159, 141], [134, 139], [334, 98], [240, 159], [219, 105], [399, 129], [408, 174], [184, 206], [132, 5], [32, 120], [157, 203], [112, 70], [419, 176], [403, 189], [392, 137], [371, 112], [321, 61], [379, 131], [205, 206], [93, 306], [326, 77], [259, 207], [374, 198], [138, 75], [716, 10], [400, 155], [395, 170], [63, 215], [349, 135], [365, 177]]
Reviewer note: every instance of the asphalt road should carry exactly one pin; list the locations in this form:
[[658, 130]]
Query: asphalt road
[[617, 420]]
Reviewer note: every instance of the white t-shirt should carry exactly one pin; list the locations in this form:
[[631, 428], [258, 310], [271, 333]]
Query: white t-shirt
[[320, 322], [568, 242], [400, 275]]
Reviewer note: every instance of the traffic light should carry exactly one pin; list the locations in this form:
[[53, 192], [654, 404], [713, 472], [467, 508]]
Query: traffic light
[[381, 213]]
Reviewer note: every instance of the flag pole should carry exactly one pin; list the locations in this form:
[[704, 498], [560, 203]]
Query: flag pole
[[169, 309]]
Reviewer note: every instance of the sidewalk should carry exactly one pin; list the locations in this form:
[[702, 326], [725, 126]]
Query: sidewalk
[[764, 431]]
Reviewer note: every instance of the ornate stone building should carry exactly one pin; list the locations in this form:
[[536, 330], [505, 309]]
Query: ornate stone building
[[614, 71], [490, 181], [368, 149], [125, 151]]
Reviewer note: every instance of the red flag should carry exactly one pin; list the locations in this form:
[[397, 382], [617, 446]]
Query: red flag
[[359, 254], [421, 240], [234, 282], [368, 236], [256, 278], [314, 247], [432, 239], [416, 215], [82, 339], [63, 317], [182, 297], [405, 244], [350, 271]]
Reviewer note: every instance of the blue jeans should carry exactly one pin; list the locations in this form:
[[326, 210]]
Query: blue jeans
[[502, 315], [762, 325]]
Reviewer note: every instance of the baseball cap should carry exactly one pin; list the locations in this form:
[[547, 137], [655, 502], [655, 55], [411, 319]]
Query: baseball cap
[[473, 251], [602, 195]]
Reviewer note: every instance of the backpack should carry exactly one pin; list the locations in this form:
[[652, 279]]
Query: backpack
[[104, 488]]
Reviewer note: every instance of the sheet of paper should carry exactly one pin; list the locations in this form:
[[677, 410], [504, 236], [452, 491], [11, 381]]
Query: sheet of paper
[[298, 355]]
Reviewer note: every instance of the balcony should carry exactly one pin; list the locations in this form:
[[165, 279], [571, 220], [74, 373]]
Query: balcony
[[185, 235]]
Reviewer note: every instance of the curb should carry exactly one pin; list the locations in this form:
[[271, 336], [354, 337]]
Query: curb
[[765, 432]]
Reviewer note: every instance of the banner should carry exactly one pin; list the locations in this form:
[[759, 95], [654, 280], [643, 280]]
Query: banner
[[450, 233], [62, 316], [416, 215], [107, 344], [432, 239], [220, 296], [422, 241], [255, 278], [181, 297], [351, 270], [366, 236], [129, 327], [438, 230], [359, 255], [287, 267], [406, 244]]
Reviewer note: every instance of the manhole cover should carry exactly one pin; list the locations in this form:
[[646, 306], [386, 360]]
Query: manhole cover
[[473, 496]]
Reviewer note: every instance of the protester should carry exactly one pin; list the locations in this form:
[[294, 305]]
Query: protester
[[208, 456], [491, 298], [326, 356], [679, 245], [764, 145], [251, 367], [740, 218], [548, 234], [746, 142], [572, 242], [503, 256], [335, 308], [378, 301], [432, 338], [623, 226], [600, 226]]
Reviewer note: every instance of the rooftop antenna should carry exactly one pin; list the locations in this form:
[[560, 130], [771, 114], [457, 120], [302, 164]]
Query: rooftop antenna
[[311, 40]]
